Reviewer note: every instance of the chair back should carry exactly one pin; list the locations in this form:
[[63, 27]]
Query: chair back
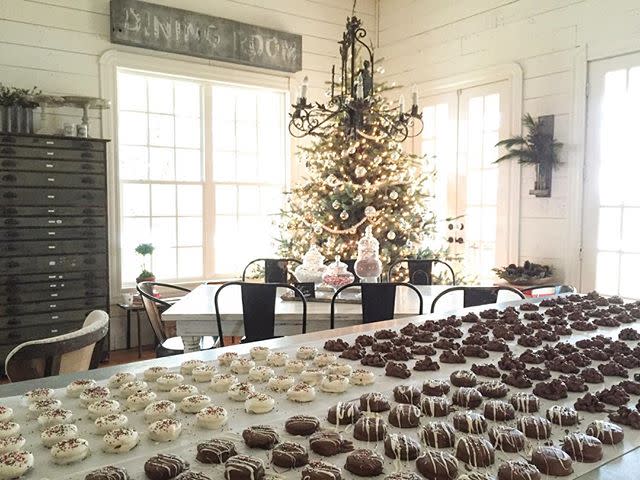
[[475, 296], [547, 290], [153, 305], [71, 352], [258, 309], [351, 267], [378, 300], [420, 270], [276, 270]]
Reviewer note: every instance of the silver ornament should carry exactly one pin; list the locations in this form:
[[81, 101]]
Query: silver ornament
[[317, 228], [395, 156], [336, 204], [360, 171], [344, 215], [391, 235], [370, 211], [393, 195], [332, 180], [358, 198]]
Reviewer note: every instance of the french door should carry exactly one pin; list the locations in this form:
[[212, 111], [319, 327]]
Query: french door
[[611, 215], [461, 130]]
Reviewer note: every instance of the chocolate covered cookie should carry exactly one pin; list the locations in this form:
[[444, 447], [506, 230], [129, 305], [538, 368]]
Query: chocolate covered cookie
[[364, 463], [289, 455], [303, 425], [260, 436], [215, 450], [329, 443]]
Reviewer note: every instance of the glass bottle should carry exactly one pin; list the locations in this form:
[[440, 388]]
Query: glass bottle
[[368, 266]]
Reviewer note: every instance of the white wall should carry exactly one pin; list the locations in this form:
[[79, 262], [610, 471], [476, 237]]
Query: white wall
[[426, 40], [56, 44]]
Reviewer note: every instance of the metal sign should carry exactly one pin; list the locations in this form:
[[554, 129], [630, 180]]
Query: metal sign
[[167, 29]]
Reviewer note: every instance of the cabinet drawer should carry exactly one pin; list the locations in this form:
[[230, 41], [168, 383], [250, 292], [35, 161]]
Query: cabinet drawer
[[61, 287], [39, 152], [51, 142], [49, 165], [45, 211], [16, 336], [55, 305], [59, 180], [53, 264], [52, 295], [61, 233], [39, 319], [90, 276], [51, 196], [21, 249], [51, 222]]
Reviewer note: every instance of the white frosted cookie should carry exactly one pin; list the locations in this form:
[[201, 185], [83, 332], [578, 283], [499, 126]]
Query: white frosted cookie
[[277, 359], [38, 394], [221, 382], [75, 388], [323, 359], [159, 410], [110, 422], [261, 373], [90, 395], [165, 430], [259, 403], [9, 429], [129, 388], [181, 391], [11, 444], [139, 400], [118, 379], [194, 403], [120, 440], [312, 376], [240, 391], [70, 451], [203, 373], [15, 464], [54, 416], [103, 407], [360, 376], [226, 358], [259, 353], [169, 380], [334, 384], [339, 368], [151, 374], [6, 413], [301, 392], [281, 383], [187, 366], [306, 352], [58, 433], [241, 366], [36, 408], [295, 366], [211, 417]]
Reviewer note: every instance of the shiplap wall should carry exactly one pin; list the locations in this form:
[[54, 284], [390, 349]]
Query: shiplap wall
[[425, 40], [56, 44]]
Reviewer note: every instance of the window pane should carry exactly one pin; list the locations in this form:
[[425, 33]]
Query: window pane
[[164, 263], [246, 107], [187, 96], [247, 166], [271, 199], [224, 166], [629, 268], [134, 163], [163, 200], [161, 163], [609, 229], [631, 230], [607, 273], [132, 92], [161, 130], [226, 200], [132, 128], [190, 262], [189, 200], [163, 232], [135, 200], [224, 134], [160, 95], [248, 200], [187, 132], [189, 231], [134, 232], [189, 165]]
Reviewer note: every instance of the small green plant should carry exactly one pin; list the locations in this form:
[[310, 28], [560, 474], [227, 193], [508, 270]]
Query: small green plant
[[10, 96], [145, 249], [535, 148]]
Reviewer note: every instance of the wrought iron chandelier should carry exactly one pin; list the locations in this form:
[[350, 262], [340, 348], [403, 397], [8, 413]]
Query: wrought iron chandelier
[[351, 103]]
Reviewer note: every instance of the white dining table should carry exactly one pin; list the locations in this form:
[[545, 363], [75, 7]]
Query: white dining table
[[195, 313]]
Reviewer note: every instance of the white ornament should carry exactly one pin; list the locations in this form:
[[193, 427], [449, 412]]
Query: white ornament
[[393, 195], [332, 180], [358, 198], [344, 215], [391, 235], [370, 211], [317, 228], [336, 204], [395, 156], [360, 171]]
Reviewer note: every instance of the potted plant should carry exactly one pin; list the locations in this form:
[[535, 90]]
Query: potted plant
[[145, 249], [529, 273], [16, 109], [538, 148]]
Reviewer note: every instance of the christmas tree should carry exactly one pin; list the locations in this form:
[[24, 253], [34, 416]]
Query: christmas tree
[[357, 178]]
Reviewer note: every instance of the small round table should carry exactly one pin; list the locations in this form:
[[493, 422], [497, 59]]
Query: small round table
[[137, 309]]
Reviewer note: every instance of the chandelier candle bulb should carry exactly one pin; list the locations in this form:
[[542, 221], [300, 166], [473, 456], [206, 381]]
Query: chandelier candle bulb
[[305, 87], [414, 95], [401, 103]]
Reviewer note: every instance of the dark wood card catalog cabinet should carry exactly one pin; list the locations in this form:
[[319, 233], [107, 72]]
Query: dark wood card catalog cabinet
[[53, 235]]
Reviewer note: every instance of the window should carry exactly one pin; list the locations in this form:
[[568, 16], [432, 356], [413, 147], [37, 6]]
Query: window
[[202, 167]]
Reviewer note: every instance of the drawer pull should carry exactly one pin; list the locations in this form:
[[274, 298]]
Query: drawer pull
[[9, 178], [49, 165], [51, 197], [51, 277], [53, 285], [50, 142], [10, 195], [52, 247], [51, 210], [55, 317], [51, 179], [51, 234], [9, 163], [53, 295], [54, 330], [50, 154], [11, 221], [52, 305], [8, 151]]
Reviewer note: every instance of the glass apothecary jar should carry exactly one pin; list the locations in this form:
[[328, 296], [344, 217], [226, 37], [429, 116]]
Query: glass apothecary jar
[[368, 266], [312, 267], [336, 274]]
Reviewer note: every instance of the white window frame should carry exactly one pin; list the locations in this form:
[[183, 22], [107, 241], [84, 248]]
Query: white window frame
[[207, 71]]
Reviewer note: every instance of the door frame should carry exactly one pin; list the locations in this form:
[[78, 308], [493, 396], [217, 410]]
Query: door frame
[[511, 72]]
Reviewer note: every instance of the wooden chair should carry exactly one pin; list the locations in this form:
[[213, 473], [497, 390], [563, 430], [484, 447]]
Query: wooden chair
[[548, 290], [475, 296], [276, 270], [378, 300], [258, 309], [68, 353], [420, 270], [168, 343]]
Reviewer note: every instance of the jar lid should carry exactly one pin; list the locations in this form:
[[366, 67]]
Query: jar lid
[[313, 257], [368, 242], [336, 267]]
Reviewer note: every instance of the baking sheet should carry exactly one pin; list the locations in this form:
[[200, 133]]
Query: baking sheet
[[185, 446]]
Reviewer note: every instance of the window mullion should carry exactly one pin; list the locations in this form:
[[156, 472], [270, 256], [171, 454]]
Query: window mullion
[[209, 206]]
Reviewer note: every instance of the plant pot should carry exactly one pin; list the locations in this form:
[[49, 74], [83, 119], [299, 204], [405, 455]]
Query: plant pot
[[146, 279], [5, 118], [21, 119]]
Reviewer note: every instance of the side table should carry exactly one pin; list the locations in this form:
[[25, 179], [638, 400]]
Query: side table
[[137, 309]]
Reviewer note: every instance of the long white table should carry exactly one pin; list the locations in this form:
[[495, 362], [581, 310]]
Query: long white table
[[195, 313]]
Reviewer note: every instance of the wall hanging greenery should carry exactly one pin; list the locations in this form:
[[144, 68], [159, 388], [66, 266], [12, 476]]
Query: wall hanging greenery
[[538, 148]]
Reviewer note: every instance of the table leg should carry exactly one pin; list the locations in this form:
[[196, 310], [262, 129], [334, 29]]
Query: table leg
[[191, 344], [128, 329], [139, 335]]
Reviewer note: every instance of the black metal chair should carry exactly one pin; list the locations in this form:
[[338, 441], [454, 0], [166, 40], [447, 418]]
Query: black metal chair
[[378, 300], [475, 296], [420, 270], [351, 267], [276, 270], [167, 343], [258, 309], [553, 290]]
